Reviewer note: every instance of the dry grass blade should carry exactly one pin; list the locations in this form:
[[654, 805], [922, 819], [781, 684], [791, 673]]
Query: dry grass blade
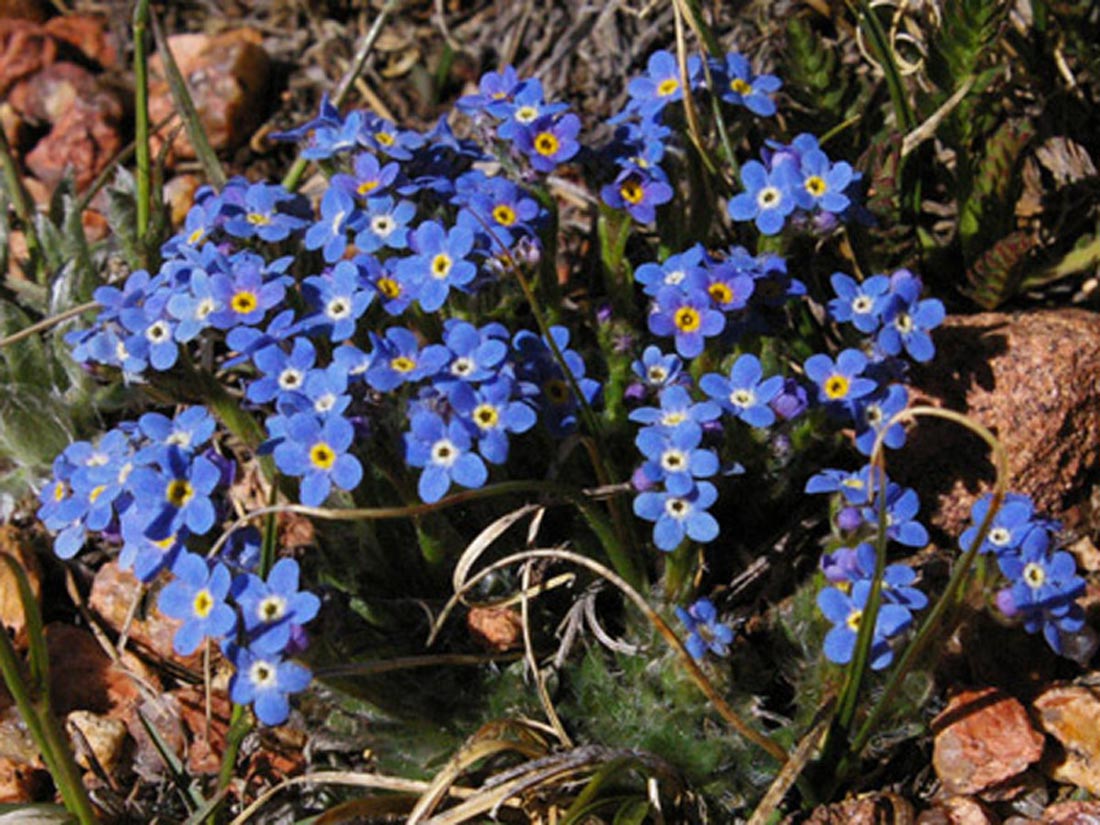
[[532, 663], [475, 750], [483, 540]]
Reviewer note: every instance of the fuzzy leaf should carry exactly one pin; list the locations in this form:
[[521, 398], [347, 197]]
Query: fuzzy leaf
[[995, 276]]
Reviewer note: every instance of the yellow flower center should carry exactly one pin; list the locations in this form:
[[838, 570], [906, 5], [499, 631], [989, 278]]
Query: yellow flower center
[[504, 214], [385, 138], [322, 456], [486, 416], [632, 191], [687, 319], [546, 144], [196, 236], [402, 364], [836, 387], [60, 490], [667, 87], [178, 492], [258, 219], [96, 492], [389, 287], [526, 114], [815, 185], [366, 187], [441, 266], [202, 604], [853, 620], [739, 86], [244, 302], [720, 292]]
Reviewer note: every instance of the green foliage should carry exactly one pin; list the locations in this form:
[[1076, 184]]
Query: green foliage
[[995, 276]]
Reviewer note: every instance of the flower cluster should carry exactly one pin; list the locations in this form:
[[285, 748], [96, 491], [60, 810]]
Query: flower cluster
[[641, 184], [705, 632], [797, 180], [1042, 581]]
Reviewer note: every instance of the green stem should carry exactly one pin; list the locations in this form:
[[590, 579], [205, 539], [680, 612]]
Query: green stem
[[952, 594], [33, 702], [23, 205], [141, 117]]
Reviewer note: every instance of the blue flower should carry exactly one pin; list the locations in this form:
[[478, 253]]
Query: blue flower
[[317, 452], [661, 84], [197, 597], [549, 141], [746, 393], [271, 608], [339, 298], [679, 515], [244, 296], [727, 285], [655, 369], [839, 380], [260, 214], [686, 316], [735, 83], [823, 183], [265, 681], [907, 321], [705, 632], [385, 224], [179, 494], [678, 409], [872, 412], [282, 373], [675, 271], [768, 197], [443, 451], [397, 359], [495, 93], [439, 262], [860, 304], [675, 458], [540, 371], [188, 431], [845, 611], [477, 355], [1010, 526], [490, 413], [902, 505], [369, 178], [854, 486], [638, 192], [330, 232]]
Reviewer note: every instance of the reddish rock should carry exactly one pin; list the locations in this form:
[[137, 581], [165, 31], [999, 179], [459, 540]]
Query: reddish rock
[[162, 713], [45, 96], [495, 628], [88, 34], [206, 736], [1071, 715], [983, 738], [21, 783], [873, 809], [1072, 813], [85, 138], [227, 76], [104, 736], [23, 9], [83, 677], [179, 195], [24, 49], [957, 810], [1032, 378]]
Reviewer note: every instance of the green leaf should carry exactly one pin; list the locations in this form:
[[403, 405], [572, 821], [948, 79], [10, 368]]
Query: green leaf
[[34, 426], [632, 813], [995, 276]]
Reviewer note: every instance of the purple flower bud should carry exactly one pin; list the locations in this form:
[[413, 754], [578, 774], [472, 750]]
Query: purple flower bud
[[839, 566], [640, 481], [226, 466], [791, 401], [634, 393], [603, 313], [849, 519], [1005, 603]]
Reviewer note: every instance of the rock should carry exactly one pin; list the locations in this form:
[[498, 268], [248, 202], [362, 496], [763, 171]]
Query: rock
[[84, 138], [24, 49], [1032, 378], [104, 736], [983, 738], [21, 783], [162, 713], [88, 34], [872, 809], [495, 628], [24, 9], [179, 195], [206, 736], [1071, 714], [15, 544], [83, 677], [45, 96], [1072, 813], [227, 76], [957, 810]]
